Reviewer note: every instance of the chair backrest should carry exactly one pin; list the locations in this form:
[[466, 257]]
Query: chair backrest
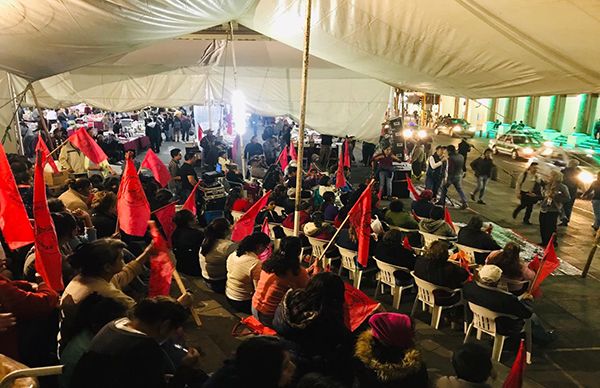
[[279, 210], [470, 251], [318, 246], [348, 258], [236, 215], [288, 231], [386, 272], [484, 319], [404, 230], [425, 290], [512, 284], [429, 238]]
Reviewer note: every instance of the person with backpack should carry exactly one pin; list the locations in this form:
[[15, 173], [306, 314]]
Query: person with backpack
[[482, 168], [529, 191]]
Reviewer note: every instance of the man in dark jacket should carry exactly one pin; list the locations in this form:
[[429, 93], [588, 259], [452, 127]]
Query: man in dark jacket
[[482, 167], [485, 293], [464, 148], [473, 236], [570, 179], [456, 163]]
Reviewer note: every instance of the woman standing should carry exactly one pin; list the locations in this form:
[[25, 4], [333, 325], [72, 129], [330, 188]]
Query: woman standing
[[594, 193], [385, 170], [555, 194]]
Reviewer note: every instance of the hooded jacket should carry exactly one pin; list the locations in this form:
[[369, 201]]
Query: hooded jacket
[[437, 227], [374, 373]]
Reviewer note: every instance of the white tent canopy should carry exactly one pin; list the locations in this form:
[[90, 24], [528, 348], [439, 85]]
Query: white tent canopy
[[98, 51]]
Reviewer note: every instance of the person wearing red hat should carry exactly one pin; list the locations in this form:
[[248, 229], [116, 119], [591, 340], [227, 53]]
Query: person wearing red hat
[[386, 354]]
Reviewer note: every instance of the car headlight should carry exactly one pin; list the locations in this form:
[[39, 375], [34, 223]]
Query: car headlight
[[407, 133], [457, 128], [586, 177], [527, 150], [422, 134]]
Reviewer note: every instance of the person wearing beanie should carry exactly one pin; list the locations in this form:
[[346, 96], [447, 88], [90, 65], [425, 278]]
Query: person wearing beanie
[[386, 355], [473, 367]]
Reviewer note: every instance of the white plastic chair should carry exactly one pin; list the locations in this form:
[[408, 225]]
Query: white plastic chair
[[404, 230], [279, 210], [386, 277], [429, 238], [470, 252], [288, 231], [236, 215], [318, 247], [511, 285], [349, 263], [8, 380], [484, 321], [425, 296]]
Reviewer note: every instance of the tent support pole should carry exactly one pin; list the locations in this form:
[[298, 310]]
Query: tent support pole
[[15, 117], [42, 118], [305, 58]]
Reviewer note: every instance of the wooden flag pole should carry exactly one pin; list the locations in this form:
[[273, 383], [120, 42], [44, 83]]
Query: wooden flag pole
[[42, 118], [342, 225], [183, 291], [537, 273], [58, 147], [590, 258], [303, 92]]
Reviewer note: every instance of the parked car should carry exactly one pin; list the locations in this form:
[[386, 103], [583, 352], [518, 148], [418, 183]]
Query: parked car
[[550, 157], [517, 145], [455, 127]]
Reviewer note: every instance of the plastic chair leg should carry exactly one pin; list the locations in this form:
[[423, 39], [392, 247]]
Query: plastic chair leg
[[377, 289], [528, 340], [357, 279], [414, 307], [340, 270], [397, 296], [478, 335], [436, 316], [498, 345], [468, 332]]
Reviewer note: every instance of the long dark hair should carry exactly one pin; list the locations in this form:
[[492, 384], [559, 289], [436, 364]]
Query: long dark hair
[[286, 259], [216, 230], [324, 294], [508, 260], [252, 242]]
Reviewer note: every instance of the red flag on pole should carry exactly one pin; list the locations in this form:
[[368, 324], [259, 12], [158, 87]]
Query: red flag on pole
[[448, 219], [340, 178], [406, 243], [165, 216], [48, 260], [190, 202], [159, 170], [200, 132], [517, 371], [293, 153], [360, 218], [414, 194], [82, 140], [133, 210], [161, 265], [14, 221], [42, 149], [548, 264], [282, 159], [245, 225], [357, 307], [346, 153]]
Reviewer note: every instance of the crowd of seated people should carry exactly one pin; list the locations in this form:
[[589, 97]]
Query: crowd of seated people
[[111, 335]]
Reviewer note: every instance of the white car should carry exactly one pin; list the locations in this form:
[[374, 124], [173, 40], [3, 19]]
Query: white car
[[517, 145], [552, 158]]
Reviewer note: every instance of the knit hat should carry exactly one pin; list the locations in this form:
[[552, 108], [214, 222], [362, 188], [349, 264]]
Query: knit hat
[[490, 273], [392, 329], [426, 194]]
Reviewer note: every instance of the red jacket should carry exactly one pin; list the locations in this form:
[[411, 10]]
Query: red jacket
[[19, 298]]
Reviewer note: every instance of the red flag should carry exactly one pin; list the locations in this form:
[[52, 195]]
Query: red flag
[[245, 225], [14, 221], [448, 219], [414, 194], [360, 218], [340, 178], [43, 150], [282, 159], [515, 376], [161, 265], [200, 132], [82, 140], [293, 153], [165, 216], [190, 202], [159, 170], [346, 153], [133, 210], [406, 243], [548, 264], [357, 307], [48, 260]]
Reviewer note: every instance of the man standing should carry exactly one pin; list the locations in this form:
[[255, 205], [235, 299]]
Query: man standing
[[529, 191], [72, 159], [188, 175], [482, 167], [325, 152], [175, 182], [464, 148], [436, 167], [253, 148], [456, 164], [570, 180]]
